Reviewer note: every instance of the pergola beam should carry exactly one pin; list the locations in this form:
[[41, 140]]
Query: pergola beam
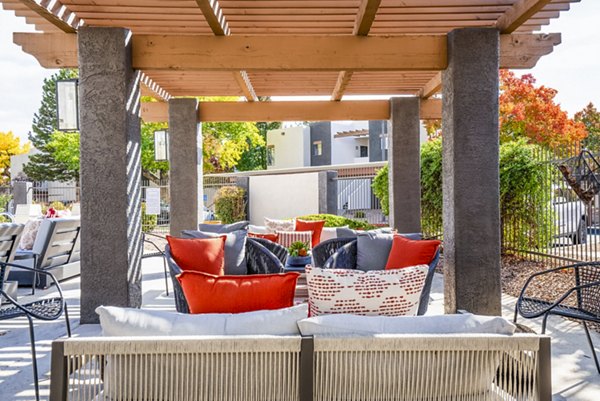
[[315, 53], [217, 22], [42, 10], [519, 13], [291, 111], [432, 87], [362, 25]]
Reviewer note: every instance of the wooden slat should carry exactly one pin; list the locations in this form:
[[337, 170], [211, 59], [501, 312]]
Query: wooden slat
[[214, 17], [49, 16], [243, 81], [433, 86], [519, 13], [291, 111]]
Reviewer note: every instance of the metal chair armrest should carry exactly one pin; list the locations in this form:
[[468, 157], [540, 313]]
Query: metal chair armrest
[[39, 271], [553, 270], [564, 296]]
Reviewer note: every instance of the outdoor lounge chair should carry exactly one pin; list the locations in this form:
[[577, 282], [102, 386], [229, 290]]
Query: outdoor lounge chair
[[258, 368], [580, 302], [42, 309], [10, 234], [345, 258], [323, 251], [259, 259], [56, 248]]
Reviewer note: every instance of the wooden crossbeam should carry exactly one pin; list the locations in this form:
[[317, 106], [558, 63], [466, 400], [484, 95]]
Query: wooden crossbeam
[[519, 13], [217, 22], [49, 15], [432, 87], [291, 111], [154, 87], [362, 25], [287, 53]]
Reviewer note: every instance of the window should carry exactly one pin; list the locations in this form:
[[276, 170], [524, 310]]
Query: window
[[317, 148], [270, 155], [362, 151]]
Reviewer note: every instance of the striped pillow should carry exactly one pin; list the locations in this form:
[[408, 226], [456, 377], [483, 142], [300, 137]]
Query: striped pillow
[[286, 238]]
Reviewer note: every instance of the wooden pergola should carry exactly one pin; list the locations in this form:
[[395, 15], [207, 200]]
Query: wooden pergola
[[410, 50]]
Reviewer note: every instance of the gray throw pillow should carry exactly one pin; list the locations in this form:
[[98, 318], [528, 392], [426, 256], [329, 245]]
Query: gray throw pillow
[[235, 249], [223, 228], [373, 249]]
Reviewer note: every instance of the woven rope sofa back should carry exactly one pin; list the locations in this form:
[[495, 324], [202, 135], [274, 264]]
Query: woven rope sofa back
[[400, 367]]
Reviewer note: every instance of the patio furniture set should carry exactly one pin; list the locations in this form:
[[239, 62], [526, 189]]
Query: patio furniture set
[[216, 345]]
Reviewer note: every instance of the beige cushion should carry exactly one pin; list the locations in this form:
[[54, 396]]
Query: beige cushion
[[274, 225], [29, 234], [286, 238]]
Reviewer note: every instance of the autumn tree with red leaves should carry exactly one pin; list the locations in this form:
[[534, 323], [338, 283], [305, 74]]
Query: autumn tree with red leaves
[[530, 111]]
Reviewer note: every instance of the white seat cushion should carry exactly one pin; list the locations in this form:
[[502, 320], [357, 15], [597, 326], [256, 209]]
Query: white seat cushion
[[116, 321]]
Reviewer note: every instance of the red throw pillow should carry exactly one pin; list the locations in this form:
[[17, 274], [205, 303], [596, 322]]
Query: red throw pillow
[[199, 254], [206, 293], [270, 237], [407, 252], [316, 227]]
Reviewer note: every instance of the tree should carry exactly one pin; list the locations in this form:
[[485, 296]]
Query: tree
[[225, 142], [529, 111], [10, 145], [590, 118], [43, 166], [255, 158]]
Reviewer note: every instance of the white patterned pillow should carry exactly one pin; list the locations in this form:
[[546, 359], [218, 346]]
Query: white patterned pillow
[[274, 225], [373, 293], [29, 234], [286, 238]]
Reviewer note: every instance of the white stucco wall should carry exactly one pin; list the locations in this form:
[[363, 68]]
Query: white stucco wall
[[344, 149], [283, 196], [292, 147]]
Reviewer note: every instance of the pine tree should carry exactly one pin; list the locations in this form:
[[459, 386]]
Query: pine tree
[[43, 166]]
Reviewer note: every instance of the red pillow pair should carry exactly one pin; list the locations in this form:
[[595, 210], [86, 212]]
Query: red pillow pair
[[205, 255], [206, 293], [316, 227], [406, 252]]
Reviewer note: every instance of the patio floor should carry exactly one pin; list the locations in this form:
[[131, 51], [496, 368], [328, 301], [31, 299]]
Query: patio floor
[[574, 375]]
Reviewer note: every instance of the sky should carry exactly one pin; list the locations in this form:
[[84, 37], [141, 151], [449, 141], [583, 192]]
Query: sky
[[573, 68]]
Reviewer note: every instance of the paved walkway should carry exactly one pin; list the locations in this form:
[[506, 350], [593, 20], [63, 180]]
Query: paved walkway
[[574, 375]]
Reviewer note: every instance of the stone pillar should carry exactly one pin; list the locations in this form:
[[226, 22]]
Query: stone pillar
[[470, 172], [405, 164], [111, 246], [376, 131], [185, 156], [328, 192], [22, 193]]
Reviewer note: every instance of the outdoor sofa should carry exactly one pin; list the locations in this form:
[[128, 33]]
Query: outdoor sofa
[[56, 249], [303, 368]]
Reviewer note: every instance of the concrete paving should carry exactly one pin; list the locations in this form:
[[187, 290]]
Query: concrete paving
[[574, 375]]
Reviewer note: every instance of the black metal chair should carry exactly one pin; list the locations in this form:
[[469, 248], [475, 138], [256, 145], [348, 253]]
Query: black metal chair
[[43, 309], [327, 248], [259, 259], [158, 253], [580, 302]]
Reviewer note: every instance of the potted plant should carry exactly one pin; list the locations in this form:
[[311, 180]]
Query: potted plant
[[299, 254]]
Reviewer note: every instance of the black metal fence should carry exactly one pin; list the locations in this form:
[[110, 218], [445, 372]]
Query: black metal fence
[[156, 223]]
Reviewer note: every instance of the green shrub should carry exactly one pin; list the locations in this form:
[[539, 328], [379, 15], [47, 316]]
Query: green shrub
[[527, 222], [230, 204], [149, 221], [57, 205], [331, 220]]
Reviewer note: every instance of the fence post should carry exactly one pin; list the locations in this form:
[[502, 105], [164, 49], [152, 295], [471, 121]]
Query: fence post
[[22, 193], [244, 183], [328, 192]]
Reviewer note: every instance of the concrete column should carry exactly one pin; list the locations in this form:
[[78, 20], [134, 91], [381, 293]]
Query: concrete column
[[405, 164], [22, 193], [376, 131], [185, 156], [111, 245], [470, 172], [328, 192]]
